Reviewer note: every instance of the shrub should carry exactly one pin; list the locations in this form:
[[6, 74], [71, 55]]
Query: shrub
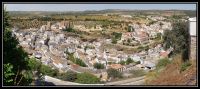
[[69, 76], [130, 29], [128, 61], [76, 60], [87, 78], [46, 70], [98, 66], [114, 73], [70, 30], [114, 41], [185, 65], [138, 62], [122, 62], [138, 73], [80, 62], [34, 64], [162, 63]]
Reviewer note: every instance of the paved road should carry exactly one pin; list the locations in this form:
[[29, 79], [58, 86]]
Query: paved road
[[58, 81], [132, 81], [138, 82]]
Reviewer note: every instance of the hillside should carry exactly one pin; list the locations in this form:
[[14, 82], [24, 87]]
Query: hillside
[[171, 75]]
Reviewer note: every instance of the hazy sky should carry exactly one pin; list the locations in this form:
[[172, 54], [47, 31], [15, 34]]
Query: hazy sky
[[82, 7]]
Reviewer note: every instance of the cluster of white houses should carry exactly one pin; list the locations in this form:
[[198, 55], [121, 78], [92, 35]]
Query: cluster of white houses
[[142, 33], [49, 44]]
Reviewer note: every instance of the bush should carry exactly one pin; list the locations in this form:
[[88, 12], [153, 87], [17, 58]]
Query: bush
[[122, 62], [128, 61], [87, 78], [69, 30], [162, 63], [129, 29], [46, 70], [129, 40], [68, 76], [114, 41], [75, 60], [117, 35], [80, 62], [114, 73], [137, 73], [98, 66], [152, 22], [185, 65], [34, 64], [138, 62]]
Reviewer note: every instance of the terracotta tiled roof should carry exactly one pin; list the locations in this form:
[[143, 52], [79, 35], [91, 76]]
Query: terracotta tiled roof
[[164, 54]]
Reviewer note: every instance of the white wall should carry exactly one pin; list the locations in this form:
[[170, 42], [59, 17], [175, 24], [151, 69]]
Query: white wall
[[192, 27]]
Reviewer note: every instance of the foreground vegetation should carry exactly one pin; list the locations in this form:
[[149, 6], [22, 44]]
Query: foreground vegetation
[[16, 71], [177, 72], [178, 38]]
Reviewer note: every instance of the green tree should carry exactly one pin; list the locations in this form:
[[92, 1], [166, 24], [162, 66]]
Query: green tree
[[178, 38], [129, 60], [122, 62], [8, 73], [87, 78], [15, 59], [114, 73], [117, 35], [159, 36], [130, 29]]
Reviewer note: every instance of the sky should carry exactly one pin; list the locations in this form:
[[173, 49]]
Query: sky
[[83, 7]]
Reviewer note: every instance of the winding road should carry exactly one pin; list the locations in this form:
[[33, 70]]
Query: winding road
[[132, 81]]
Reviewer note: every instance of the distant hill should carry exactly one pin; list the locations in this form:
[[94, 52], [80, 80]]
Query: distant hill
[[122, 11]]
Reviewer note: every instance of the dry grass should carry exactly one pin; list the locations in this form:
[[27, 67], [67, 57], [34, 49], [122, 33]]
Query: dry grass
[[171, 74]]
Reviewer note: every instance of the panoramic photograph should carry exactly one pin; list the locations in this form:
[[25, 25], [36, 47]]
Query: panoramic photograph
[[99, 44]]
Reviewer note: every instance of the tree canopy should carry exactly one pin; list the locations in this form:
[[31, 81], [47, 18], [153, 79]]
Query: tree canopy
[[15, 59], [178, 38]]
